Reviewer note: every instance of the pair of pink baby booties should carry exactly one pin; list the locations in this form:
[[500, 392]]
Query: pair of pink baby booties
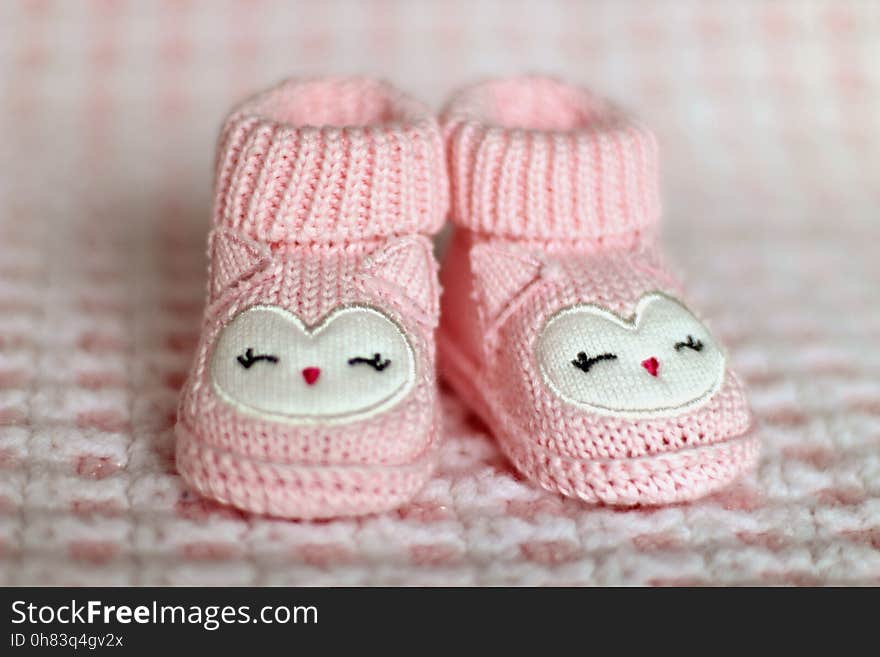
[[314, 389]]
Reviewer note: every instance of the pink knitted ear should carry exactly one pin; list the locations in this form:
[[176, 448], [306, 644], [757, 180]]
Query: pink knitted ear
[[233, 258], [405, 269], [502, 274]]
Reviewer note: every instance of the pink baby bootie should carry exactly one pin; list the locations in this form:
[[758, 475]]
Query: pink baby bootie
[[313, 391], [560, 325]]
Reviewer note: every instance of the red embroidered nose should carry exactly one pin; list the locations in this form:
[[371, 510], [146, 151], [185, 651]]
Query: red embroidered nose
[[311, 374], [652, 365]]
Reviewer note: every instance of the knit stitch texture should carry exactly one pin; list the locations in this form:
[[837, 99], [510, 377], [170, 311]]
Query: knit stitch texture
[[767, 117], [567, 218], [534, 159], [308, 279]]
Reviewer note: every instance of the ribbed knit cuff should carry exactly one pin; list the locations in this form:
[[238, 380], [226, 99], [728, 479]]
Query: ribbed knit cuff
[[534, 158], [330, 160]]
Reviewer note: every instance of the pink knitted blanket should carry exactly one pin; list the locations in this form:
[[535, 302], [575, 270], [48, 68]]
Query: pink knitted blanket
[[770, 148]]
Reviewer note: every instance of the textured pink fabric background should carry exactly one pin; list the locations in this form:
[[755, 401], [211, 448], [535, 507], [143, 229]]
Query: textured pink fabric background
[[769, 121]]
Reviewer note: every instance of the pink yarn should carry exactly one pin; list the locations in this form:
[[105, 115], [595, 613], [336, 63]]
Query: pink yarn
[[330, 160], [555, 199], [533, 158], [306, 220]]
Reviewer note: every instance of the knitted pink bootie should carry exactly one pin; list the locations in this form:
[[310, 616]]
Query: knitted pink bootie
[[560, 324], [313, 390]]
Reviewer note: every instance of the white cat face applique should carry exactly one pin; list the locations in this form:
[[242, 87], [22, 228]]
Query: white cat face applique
[[662, 361], [357, 362]]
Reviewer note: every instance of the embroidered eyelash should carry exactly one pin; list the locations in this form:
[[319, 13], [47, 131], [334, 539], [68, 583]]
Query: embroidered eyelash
[[248, 359], [696, 345], [584, 363], [375, 362]]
